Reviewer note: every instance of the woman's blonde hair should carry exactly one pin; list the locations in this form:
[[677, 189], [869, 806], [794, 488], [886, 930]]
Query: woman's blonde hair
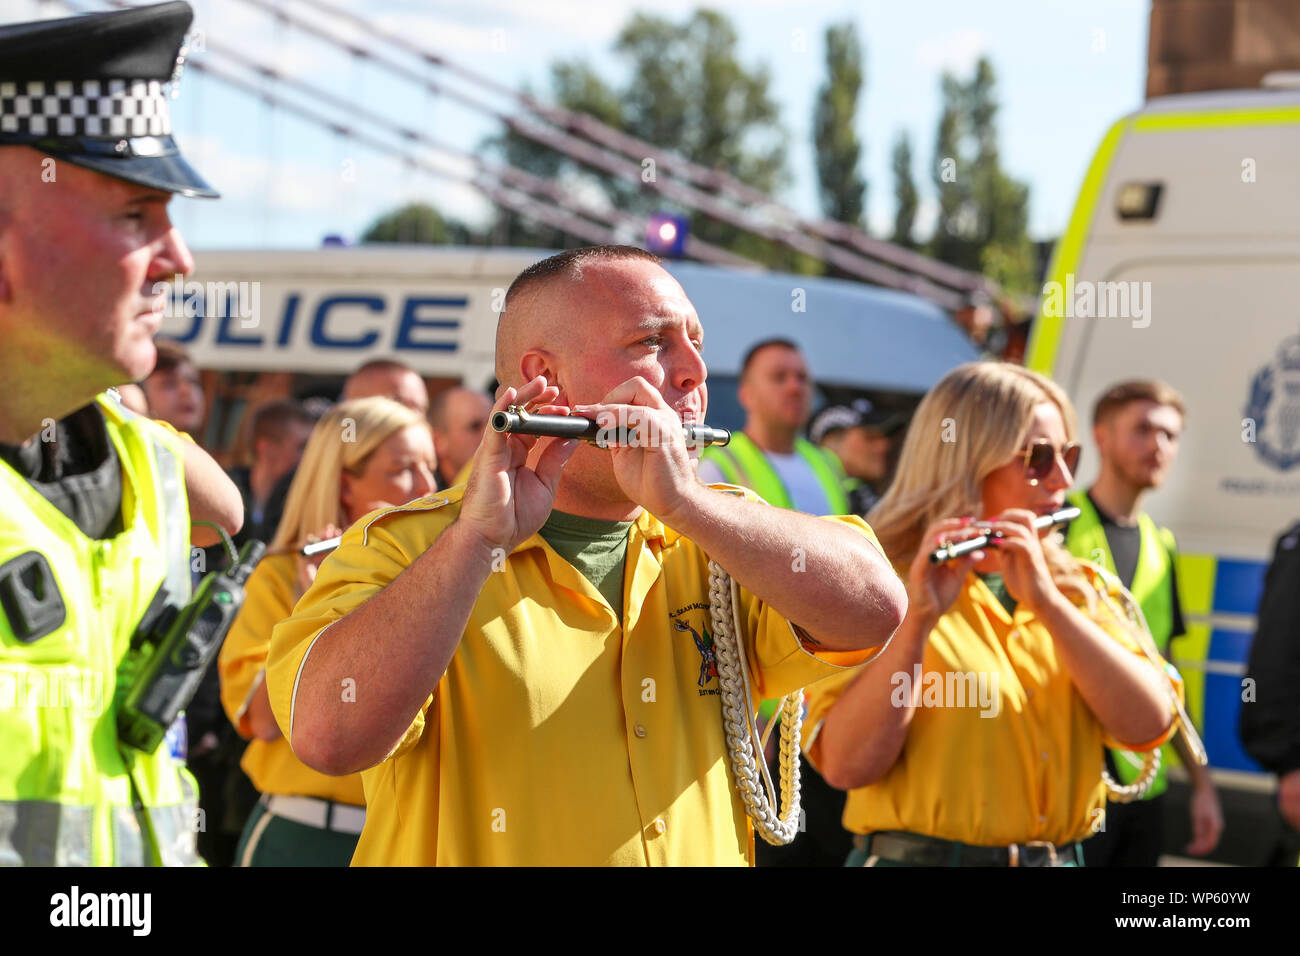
[[343, 440], [970, 424]]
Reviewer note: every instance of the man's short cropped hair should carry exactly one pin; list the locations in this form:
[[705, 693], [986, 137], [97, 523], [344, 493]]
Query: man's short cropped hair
[[382, 365], [765, 344], [1139, 390], [273, 419], [569, 265]]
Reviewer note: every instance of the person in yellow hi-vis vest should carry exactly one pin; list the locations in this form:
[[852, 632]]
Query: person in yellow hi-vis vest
[[769, 457], [364, 454], [1136, 426], [98, 501], [784, 469]]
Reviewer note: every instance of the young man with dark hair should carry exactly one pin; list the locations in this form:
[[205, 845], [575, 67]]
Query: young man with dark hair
[[769, 456], [173, 389], [279, 431], [1136, 426]]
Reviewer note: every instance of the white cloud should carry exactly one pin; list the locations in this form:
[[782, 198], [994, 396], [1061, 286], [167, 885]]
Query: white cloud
[[957, 51]]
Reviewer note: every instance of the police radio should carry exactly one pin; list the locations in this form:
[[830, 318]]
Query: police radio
[[181, 643]]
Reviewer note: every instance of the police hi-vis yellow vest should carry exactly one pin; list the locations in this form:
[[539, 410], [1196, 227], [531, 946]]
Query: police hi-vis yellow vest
[[1086, 539], [70, 792], [743, 463]]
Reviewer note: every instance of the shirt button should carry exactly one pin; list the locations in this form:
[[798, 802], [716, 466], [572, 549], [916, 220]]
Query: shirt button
[[639, 730], [658, 827], [1042, 819], [1043, 755]]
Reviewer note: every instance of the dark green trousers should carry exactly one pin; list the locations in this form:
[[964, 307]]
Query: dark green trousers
[[274, 841]]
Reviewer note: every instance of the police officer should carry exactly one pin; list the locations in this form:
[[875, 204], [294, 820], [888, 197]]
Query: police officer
[[98, 499]]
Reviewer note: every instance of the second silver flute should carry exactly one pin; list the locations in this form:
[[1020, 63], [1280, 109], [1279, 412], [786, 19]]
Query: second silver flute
[[518, 421], [956, 549]]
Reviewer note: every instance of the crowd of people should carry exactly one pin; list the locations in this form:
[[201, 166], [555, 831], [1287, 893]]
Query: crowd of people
[[884, 797]]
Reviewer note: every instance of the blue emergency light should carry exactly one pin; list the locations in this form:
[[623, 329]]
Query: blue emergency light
[[665, 235]]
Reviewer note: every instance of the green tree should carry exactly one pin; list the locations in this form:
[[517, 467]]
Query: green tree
[[905, 195], [983, 211], [687, 92], [838, 149], [950, 173], [418, 223]]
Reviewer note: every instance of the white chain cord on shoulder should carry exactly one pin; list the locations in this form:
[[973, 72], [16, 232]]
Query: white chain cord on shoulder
[[1131, 610], [744, 747]]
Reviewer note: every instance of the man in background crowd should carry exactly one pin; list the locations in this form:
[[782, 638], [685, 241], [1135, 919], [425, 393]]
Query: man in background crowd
[[173, 390], [859, 436], [279, 430], [388, 378], [1136, 426], [458, 416], [769, 457]]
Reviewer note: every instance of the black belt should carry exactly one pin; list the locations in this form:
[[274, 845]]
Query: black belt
[[918, 850]]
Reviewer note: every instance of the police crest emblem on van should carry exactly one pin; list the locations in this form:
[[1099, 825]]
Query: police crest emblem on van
[[1274, 407]]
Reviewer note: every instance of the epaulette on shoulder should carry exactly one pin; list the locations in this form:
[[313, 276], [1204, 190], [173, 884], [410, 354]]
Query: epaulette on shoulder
[[430, 502]]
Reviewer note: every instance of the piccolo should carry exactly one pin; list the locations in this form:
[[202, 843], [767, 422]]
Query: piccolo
[[957, 549], [518, 421], [316, 547]]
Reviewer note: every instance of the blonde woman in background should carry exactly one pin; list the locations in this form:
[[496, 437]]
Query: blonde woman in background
[[975, 738], [364, 454]]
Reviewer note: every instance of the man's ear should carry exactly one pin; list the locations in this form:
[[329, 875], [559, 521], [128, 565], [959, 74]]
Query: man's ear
[[1100, 437], [537, 362], [743, 395]]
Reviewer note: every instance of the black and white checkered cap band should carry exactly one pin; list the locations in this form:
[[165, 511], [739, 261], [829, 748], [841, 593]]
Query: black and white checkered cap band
[[95, 108]]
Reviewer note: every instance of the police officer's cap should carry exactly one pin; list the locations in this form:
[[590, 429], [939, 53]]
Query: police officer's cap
[[93, 91]]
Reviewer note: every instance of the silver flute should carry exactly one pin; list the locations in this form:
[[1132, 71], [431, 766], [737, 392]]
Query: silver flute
[[516, 420], [950, 552]]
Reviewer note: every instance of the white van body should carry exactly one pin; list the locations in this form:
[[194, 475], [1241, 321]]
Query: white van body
[[1210, 279], [327, 311]]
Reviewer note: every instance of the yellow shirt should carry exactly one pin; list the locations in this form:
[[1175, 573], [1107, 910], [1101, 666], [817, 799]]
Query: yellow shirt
[[1021, 761], [271, 765], [557, 737]]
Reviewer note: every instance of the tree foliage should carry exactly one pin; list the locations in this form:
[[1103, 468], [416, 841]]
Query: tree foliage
[[983, 211], [905, 195], [838, 149], [418, 223]]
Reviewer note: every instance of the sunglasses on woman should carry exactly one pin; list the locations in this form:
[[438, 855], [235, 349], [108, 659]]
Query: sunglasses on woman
[[1040, 459]]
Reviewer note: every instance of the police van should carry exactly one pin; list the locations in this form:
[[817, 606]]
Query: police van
[[265, 324], [1180, 262]]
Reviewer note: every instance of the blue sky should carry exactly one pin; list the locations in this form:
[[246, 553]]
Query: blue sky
[[1066, 70]]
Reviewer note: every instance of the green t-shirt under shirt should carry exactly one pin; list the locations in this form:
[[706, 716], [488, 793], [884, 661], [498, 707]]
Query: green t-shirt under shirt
[[596, 548], [998, 586]]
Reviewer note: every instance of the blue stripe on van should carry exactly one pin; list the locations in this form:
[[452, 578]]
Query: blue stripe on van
[[1238, 585], [1230, 645], [1222, 718]]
